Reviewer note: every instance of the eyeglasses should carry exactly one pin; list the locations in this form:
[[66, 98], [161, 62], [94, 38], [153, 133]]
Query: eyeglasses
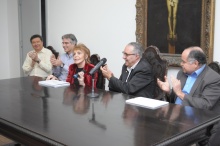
[[66, 43], [126, 54]]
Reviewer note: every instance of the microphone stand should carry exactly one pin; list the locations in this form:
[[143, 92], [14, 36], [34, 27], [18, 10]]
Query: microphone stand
[[93, 94]]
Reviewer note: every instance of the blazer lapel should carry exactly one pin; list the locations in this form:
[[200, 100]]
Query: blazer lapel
[[124, 74], [198, 81], [138, 66], [183, 79]]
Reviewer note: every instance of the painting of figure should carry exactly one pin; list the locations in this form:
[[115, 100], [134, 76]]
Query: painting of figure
[[173, 25]]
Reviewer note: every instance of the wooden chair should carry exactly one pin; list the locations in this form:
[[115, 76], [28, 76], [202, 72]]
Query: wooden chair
[[94, 59], [215, 66], [159, 68]]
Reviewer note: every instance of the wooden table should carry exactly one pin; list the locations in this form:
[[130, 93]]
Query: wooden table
[[35, 115]]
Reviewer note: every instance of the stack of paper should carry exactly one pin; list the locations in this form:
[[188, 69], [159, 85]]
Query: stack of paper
[[53, 83], [146, 102]]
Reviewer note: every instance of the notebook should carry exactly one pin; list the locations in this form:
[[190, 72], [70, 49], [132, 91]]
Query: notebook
[[146, 102], [53, 83]]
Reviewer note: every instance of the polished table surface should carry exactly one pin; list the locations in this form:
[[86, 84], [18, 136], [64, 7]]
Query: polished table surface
[[36, 115]]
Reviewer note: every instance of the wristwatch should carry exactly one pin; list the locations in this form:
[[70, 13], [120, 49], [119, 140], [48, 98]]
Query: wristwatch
[[38, 61]]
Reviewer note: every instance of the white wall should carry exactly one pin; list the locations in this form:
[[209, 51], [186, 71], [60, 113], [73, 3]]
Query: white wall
[[13, 41], [9, 56], [4, 55], [104, 26], [217, 32]]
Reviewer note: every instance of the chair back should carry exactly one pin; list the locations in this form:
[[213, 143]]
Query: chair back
[[94, 59], [215, 66], [159, 69]]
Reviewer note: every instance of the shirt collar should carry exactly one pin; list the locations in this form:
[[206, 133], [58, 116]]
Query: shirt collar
[[42, 50], [198, 71], [69, 55], [129, 69]]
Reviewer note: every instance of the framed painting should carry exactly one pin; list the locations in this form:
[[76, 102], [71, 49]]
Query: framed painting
[[173, 25]]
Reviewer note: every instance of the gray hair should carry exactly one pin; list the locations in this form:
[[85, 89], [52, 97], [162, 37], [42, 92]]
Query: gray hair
[[138, 49], [196, 53], [71, 37]]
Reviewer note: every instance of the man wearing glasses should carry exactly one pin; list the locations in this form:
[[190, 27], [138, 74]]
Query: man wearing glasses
[[136, 76], [62, 63]]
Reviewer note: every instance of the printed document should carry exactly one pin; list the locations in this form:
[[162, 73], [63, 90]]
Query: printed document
[[146, 102]]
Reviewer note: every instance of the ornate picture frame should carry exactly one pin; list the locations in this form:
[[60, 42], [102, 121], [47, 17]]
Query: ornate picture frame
[[202, 34]]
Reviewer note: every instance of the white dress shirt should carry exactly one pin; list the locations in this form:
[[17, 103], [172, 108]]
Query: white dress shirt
[[41, 69], [130, 69]]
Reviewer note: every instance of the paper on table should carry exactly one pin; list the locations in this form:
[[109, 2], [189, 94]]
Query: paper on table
[[53, 83], [146, 102]]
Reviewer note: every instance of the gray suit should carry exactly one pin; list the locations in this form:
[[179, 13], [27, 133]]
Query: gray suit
[[205, 92], [139, 83]]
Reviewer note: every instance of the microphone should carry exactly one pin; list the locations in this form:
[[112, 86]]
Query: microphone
[[101, 62], [77, 75]]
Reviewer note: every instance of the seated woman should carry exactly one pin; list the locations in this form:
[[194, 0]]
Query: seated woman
[[55, 53], [79, 71]]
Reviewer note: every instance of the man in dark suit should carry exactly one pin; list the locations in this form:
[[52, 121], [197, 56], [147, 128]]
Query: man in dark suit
[[196, 85], [136, 77]]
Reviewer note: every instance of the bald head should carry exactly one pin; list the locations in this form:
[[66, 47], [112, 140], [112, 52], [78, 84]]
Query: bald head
[[195, 53], [192, 59], [195, 48]]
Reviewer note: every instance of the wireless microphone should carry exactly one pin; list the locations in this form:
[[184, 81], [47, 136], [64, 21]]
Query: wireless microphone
[[101, 62], [77, 75]]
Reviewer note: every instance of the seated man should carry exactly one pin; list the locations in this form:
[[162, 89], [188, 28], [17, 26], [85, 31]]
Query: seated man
[[62, 63], [37, 62], [136, 77], [196, 85]]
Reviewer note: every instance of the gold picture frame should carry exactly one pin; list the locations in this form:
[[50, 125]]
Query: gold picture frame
[[206, 37]]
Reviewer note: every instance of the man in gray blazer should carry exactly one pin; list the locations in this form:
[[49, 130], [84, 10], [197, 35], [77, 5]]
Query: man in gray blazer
[[136, 77], [196, 85]]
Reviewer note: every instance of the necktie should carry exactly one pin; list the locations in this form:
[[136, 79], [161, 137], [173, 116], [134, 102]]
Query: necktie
[[129, 72]]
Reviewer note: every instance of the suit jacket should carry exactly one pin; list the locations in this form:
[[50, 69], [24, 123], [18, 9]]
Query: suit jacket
[[87, 76], [205, 92], [139, 83]]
